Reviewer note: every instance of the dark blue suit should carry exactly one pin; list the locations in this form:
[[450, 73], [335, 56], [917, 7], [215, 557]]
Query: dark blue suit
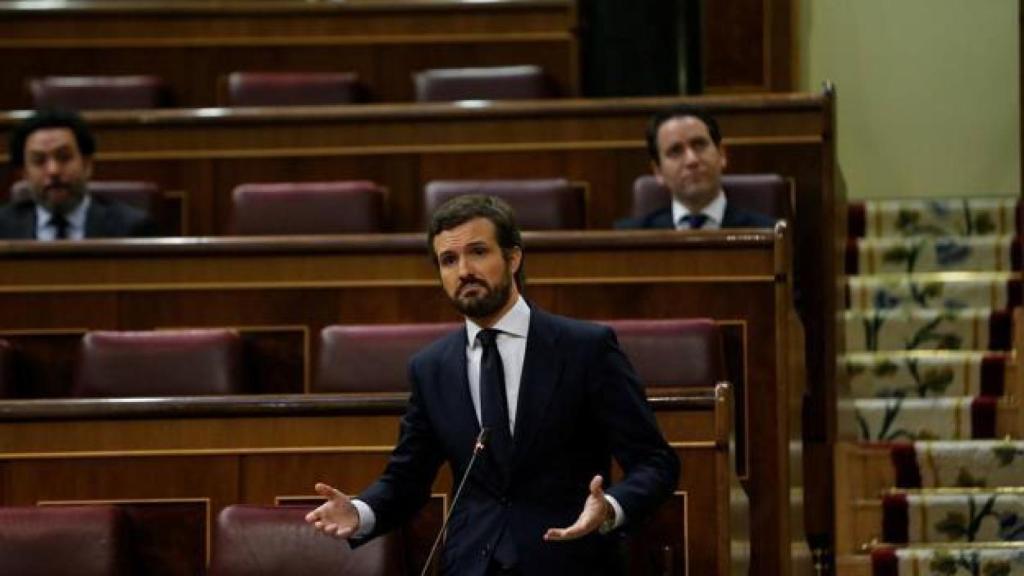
[[580, 404], [733, 218], [104, 219]]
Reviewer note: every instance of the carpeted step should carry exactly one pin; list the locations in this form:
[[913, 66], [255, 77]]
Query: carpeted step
[[911, 419], [901, 329], [926, 374], [944, 217], [932, 254], [966, 464], [942, 290], [963, 560], [953, 515]]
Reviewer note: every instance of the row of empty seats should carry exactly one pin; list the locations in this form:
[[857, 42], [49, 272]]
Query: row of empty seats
[[352, 358], [291, 88], [347, 207], [98, 540]]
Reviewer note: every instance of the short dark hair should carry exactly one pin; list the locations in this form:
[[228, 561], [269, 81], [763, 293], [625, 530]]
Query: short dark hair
[[462, 209], [679, 111], [51, 118]]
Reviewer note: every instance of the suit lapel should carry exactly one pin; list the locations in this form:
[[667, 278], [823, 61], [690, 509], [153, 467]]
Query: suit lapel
[[454, 387], [27, 221], [95, 220], [542, 369]]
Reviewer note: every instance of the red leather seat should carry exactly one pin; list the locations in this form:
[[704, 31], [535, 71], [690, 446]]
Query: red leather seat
[[673, 353], [276, 541], [292, 88], [768, 194], [98, 92], [492, 83], [6, 369], [65, 540], [343, 207], [159, 363], [541, 204], [372, 357]]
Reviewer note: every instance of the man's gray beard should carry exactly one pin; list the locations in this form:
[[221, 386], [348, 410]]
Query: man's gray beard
[[485, 305]]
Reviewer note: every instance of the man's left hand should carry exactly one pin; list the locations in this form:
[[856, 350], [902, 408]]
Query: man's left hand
[[596, 511]]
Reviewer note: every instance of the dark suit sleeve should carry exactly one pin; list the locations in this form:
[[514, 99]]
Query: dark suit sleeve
[[651, 466], [404, 487]]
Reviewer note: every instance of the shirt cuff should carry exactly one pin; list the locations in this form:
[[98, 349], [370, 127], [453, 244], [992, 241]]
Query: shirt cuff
[[367, 519], [620, 516]]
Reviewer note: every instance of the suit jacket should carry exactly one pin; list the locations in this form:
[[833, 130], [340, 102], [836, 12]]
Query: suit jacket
[[580, 404], [733, 218], [104, 219]]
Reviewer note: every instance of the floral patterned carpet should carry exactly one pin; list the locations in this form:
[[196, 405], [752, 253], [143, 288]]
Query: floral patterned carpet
[[928, 327]]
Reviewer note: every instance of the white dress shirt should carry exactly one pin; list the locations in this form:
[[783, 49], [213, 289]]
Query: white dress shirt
[[715, 211], [76, 221]]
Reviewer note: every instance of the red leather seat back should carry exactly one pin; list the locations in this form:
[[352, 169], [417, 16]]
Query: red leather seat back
[[539, 204], [372, 357], [491, 83], [276, 541], [343, 207], [292, 88], [98, 92], [768, 194], [159, 363], [65, 540], [674, 353]]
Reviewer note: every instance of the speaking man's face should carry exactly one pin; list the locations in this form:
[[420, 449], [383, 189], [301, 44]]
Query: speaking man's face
[[689, 163], [477, 277], [55, 169]]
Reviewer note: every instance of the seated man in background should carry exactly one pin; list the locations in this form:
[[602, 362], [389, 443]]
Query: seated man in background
[[685, 146], [53, 152]]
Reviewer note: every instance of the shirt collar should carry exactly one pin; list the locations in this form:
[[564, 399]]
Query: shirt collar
[[515, 322], [715, 211], [75, 218]]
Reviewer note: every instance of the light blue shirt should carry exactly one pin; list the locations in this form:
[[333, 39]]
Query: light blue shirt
[[76, 221]]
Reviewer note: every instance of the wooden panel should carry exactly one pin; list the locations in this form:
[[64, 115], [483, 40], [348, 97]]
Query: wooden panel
[[193, 45], [748, 46], [60, 451], [740, 279]]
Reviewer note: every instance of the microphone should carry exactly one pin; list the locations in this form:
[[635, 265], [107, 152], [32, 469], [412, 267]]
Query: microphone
[[481, 441]]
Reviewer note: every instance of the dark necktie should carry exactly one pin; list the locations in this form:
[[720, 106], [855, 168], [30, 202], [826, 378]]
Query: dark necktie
[[493, 400], [696, 221], [60, 223]]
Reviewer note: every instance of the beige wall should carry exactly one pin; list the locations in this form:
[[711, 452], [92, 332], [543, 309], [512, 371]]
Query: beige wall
[[928, 93]]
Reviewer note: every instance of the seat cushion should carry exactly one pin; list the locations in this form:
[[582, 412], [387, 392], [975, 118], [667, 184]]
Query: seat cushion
[[539, 204], [292, 88], [342, 207], [65, 540], [372, 358], [276, 541], [491, 83], [159, 363], [98, 92], [674, 353]]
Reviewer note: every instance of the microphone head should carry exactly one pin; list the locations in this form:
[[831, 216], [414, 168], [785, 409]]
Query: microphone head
[[481, 439]]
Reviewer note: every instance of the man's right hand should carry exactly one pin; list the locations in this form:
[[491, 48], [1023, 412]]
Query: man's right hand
[[337, 516]]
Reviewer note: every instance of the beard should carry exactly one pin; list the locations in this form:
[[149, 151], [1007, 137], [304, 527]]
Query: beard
[[491, 301], [60, 197]]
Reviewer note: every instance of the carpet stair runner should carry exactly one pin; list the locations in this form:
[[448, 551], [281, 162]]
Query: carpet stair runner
[[930, 456]]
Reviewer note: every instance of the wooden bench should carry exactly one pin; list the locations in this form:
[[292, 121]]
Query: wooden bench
[[740, 279], [177, 462], [194, 45]]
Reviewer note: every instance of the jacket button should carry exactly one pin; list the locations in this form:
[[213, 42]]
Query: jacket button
[[483, 552]]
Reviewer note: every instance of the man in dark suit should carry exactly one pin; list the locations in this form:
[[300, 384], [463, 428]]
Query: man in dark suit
[[687, 157], [53, 151], [559, 399]]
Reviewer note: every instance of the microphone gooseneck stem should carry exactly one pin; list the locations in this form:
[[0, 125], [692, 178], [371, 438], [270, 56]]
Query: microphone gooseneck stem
[[481, 439]]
